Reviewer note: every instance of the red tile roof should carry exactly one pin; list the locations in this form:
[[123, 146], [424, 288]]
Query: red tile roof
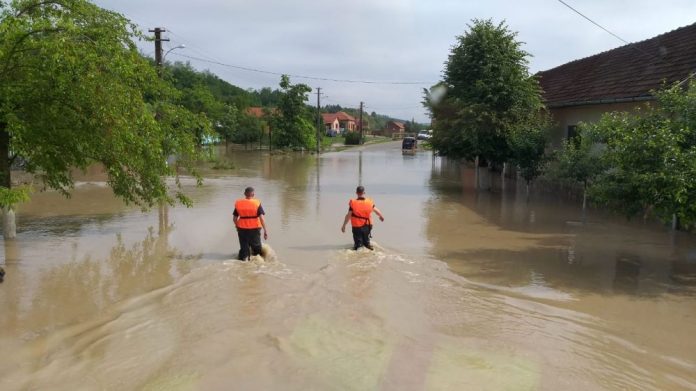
[[258, 112], [627, 72], [343, 116], [328, 117], [255, 111], [397, 124]]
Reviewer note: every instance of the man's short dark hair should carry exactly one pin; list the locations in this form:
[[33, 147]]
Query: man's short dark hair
[[248, 191], [360, 190]]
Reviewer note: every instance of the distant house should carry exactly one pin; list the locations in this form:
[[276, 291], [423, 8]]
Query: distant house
[[393, 127], [255, 112], [347, 122], [339, 123], [616, 80], [331, 124]]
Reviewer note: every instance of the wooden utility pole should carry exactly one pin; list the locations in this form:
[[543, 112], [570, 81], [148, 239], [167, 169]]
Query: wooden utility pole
[[362, 140], [163, 212], [319, 122], [158, 46]]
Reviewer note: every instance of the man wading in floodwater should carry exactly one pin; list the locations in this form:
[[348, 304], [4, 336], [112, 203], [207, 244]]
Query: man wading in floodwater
[[360, 215], [248, 217]]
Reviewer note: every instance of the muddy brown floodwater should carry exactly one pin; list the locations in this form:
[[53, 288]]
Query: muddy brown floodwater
[[466, 291]]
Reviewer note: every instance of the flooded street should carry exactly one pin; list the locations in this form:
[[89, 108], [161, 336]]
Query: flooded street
[[467, 290]]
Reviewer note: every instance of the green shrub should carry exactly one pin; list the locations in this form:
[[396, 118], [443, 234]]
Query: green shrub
[[352, 138]]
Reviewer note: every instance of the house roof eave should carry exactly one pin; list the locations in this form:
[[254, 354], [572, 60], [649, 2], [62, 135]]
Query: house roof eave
[[558, 105]]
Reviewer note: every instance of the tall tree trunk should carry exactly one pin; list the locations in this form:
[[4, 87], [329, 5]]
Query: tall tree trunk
[[9, 226]]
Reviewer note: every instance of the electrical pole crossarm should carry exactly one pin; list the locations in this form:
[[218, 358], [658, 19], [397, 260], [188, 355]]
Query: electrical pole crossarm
[[158, 45]]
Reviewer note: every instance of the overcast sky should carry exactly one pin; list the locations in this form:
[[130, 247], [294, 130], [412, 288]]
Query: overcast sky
[[383, 40]]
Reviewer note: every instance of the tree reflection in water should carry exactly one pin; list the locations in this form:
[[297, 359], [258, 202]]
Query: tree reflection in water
[[82, 288], [501, 237]]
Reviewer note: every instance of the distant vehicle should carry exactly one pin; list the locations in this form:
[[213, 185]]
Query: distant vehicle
[[409, 145], [424, 135]]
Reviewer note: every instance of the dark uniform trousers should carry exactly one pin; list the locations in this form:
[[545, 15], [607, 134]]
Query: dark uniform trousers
[[361, 236], [249, 238]]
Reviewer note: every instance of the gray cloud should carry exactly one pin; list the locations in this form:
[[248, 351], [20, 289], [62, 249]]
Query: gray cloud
[[385, 40]]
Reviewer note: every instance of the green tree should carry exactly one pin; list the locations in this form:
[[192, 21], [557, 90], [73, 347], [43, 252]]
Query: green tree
[[249, 129], [228, 123], [184, 76], [199, 100], [528, 150], [267, 97], [293, 123], [579, 161], [651, 158], [487, 95], [74, 90], [206, 94]]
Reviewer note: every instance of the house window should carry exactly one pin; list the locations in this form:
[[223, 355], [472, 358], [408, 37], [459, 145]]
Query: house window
[[572, 132]]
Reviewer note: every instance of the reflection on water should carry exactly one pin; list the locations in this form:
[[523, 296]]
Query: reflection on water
[[83, 286], [502, 237], [467, 290]]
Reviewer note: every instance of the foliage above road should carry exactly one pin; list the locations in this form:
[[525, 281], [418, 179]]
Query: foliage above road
[[74, 90]]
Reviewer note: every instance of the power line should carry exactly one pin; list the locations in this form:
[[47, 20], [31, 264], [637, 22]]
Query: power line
[[193, 47], [593, 22], [248, 69], [631, 45], [679, 84], [395, 108], [336, 102], [213, 60]]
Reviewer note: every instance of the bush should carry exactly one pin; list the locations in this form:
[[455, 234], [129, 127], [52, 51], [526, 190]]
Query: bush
[[352, 138]]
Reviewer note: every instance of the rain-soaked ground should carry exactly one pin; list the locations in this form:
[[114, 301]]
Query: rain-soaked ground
[[466, 291]]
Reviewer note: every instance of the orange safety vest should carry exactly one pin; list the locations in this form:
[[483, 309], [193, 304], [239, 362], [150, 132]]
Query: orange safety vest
[[361, 212], [248, 210]]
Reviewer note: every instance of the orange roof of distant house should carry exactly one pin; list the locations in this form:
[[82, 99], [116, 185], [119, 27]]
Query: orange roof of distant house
[[343, 116], [255, 111], [398, 124], [340, 116], [329, 117]]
